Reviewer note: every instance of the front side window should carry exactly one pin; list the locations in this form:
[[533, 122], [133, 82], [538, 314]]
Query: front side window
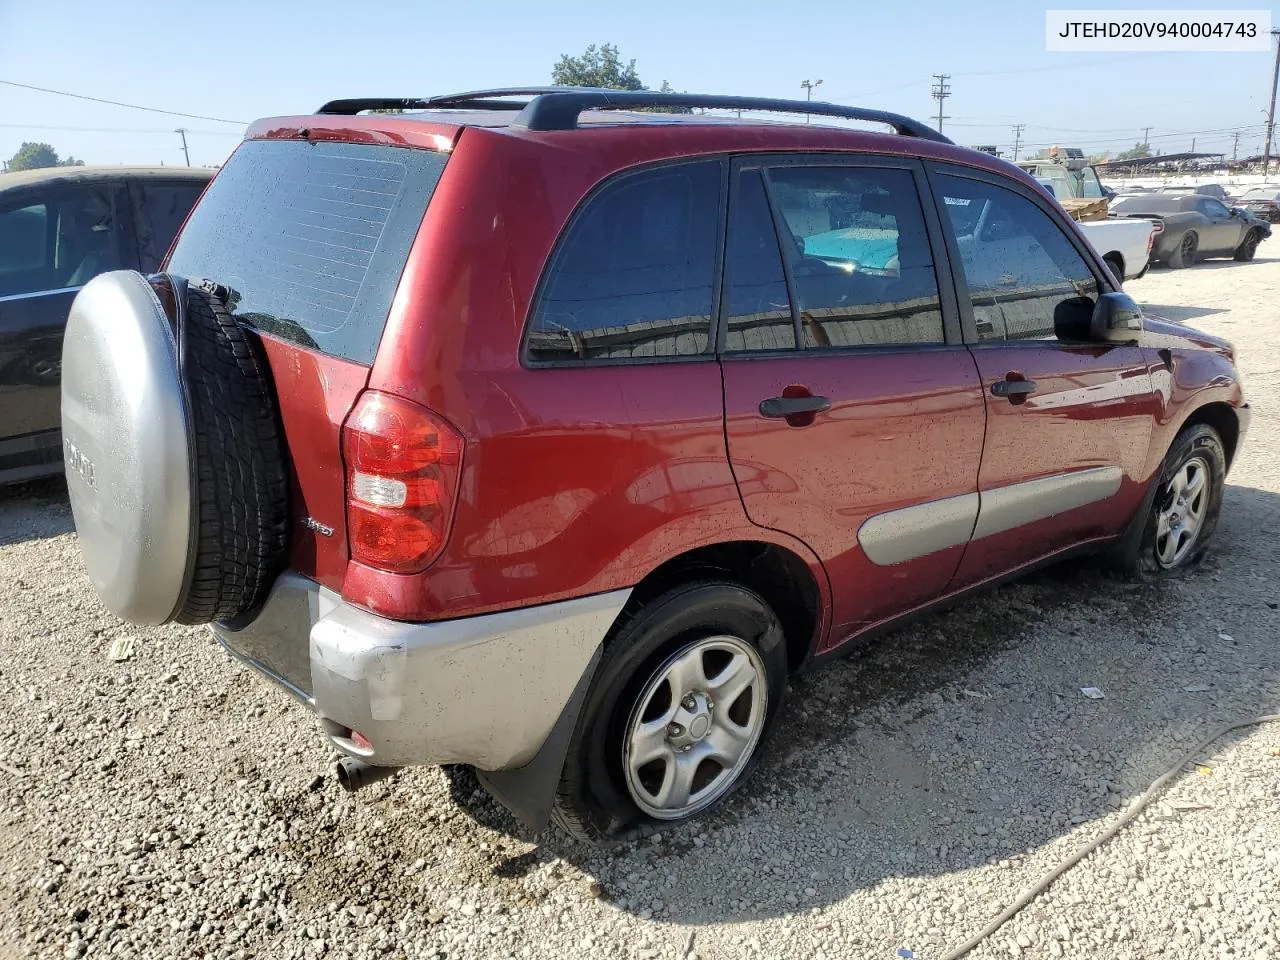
[[1017, 262], [59, 243], [861, 266], [25, 246], [1214, 209], [634, 277]]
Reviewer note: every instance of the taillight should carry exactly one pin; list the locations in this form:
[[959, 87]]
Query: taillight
[[403, 464]]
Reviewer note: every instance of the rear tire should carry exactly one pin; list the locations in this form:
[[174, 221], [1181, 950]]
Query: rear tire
[[1248, 248], [1184, 254], [1116, 266], [1165, 549], [597, 797], [241, 487]]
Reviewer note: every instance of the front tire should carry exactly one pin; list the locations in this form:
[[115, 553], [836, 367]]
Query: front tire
[[1248, 248], [1183, 514], [688, 689]]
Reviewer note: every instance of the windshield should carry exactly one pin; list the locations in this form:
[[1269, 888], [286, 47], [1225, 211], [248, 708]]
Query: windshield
[[1089, 185], [1262, 194]]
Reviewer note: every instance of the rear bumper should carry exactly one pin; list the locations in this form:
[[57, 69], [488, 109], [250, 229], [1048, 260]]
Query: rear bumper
[[483, 690]]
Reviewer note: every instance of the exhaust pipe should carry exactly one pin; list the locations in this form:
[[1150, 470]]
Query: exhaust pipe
[[354, 774]]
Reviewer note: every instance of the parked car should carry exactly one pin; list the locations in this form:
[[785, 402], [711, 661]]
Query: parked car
[[59, 228], [1124, 244], [1195, 227], [1263, 202], [552, 439]]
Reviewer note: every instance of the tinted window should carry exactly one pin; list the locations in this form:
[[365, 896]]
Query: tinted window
[[311, 237], [758, 307], [635, 274], [165, 205], [24, 233], [62, 242], [1214, 208], [1018, 263], [861, 265]]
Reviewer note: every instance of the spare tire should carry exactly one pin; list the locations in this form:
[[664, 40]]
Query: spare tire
[[174, 452]]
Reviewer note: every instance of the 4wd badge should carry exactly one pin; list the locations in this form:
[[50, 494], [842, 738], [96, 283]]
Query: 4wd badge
[[78, 462]]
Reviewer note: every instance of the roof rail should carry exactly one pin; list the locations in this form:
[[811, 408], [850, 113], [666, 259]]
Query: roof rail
[[558, 108]]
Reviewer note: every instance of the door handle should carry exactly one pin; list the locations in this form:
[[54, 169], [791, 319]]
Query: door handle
[[780, 408], [1013, 388]]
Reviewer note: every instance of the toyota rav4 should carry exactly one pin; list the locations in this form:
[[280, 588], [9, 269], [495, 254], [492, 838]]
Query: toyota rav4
[[547, 432]]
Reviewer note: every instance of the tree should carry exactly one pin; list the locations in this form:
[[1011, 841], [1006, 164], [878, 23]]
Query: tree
[[34, 156], [1138, 152], [597, 67]]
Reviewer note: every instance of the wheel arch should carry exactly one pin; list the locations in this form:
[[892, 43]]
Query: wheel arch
[[784, 579], [1221, 416]]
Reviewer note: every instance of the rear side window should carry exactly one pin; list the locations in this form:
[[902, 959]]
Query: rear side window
[[634, 277], [165, 206], [311, 237], [861, 265]]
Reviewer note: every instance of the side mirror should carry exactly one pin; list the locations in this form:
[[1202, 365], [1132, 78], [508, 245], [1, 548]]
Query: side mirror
[[1117, 318]]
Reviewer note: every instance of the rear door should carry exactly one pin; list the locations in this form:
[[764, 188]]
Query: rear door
[[853, 412], [52, 242], [1068, 423]]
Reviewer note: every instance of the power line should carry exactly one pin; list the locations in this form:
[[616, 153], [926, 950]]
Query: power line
[[118, 103], [140, 130]]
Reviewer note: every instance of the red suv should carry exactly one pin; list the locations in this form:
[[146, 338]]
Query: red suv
[[550, 435]]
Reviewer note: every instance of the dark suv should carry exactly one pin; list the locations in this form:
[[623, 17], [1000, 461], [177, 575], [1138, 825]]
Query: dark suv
[[550, 435]]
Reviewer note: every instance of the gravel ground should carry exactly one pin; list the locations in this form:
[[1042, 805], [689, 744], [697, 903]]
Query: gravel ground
[[173, 805]]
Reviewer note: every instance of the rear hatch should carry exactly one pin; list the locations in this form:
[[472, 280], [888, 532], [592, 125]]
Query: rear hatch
[[311, 237]]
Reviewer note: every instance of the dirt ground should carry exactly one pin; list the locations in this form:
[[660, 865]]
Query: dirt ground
[[174, 805]]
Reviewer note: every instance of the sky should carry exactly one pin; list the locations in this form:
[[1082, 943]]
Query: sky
[[238, 61]]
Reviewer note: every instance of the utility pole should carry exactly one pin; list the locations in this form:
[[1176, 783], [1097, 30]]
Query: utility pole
[[1017, 139], [1146, 136], [808, 86], [182, 131], [1235, 145], [1271, 112], [941, 90], [1193, 144]]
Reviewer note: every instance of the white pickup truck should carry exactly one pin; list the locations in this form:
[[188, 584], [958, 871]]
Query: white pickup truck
[[1124, 244]]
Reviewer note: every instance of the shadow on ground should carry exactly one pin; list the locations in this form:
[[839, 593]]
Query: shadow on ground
[[34, 510], [963, 739]]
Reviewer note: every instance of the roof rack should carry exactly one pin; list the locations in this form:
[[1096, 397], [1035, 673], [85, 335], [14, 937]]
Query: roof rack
[[558, 108]]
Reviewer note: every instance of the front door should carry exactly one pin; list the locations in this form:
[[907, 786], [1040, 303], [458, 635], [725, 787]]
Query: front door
[[1068, 423], [1222, 233], [854, 414]]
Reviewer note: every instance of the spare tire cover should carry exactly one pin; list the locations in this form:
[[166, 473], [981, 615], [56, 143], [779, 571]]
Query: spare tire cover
[[126, 443]]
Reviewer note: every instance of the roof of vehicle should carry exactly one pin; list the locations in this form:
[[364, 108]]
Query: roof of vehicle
[[24, 178], [606, 124], [1156, 203]]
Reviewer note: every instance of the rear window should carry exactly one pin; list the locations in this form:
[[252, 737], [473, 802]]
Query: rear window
[[311, 237]]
